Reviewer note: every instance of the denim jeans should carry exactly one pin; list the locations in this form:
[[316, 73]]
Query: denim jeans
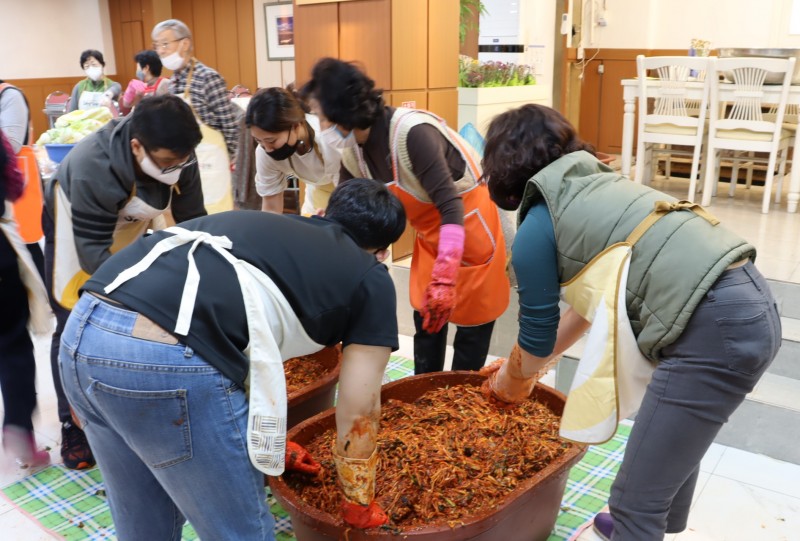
[[728, 344], [167, 429]]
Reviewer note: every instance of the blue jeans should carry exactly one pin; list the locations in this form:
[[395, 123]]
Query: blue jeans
[[702, 377], [167, 429]]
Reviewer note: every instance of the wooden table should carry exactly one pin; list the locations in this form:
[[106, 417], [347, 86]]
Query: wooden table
[[630, 93]]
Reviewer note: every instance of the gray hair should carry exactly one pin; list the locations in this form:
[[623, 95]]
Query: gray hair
[[178, 27]]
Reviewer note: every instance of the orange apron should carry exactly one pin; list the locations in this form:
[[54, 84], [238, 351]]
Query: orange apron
[[28, 208], [482, 287]]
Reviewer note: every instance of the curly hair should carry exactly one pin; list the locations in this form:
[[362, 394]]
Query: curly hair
[[520, 143], [345, 94]]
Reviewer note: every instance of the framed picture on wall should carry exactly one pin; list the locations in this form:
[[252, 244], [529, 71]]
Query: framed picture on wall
[[280, 31]]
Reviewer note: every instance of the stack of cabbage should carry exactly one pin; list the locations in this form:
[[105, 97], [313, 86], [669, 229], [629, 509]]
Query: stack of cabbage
[[75, 125]]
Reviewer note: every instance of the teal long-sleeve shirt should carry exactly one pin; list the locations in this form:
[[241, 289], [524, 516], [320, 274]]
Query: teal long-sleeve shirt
[[534, 256]]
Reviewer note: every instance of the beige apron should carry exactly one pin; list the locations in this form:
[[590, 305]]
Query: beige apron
[[213, 161], [612, 375], [276, 335], [41, 317], [68, 276]]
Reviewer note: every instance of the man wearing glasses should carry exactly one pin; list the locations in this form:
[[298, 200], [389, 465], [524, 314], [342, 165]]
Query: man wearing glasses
[[104, 196], [205, 91]]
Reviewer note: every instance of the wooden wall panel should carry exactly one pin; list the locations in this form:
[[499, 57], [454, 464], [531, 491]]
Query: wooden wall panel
[[610, 121], [316, 33], [589, 120], [410, 46], [227, 43], [443, 44], [365, 35], [444, 102], [246, 36], [203, 30]]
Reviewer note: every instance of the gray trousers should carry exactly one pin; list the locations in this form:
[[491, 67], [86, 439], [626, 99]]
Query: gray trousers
[[730, 340]]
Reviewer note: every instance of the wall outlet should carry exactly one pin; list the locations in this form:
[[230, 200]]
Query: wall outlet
[[580, 53]]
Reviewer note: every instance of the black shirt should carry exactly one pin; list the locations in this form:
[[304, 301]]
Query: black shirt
[[339, 292]]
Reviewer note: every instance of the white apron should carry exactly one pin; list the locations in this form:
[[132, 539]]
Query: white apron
[[213, 161], [41, 317], [68, 276], [276, 335], [90, 100], [612, 375]]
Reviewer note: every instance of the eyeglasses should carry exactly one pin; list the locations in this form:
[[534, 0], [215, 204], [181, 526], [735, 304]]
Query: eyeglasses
[[162, 46], [172, 168], [92, 65]]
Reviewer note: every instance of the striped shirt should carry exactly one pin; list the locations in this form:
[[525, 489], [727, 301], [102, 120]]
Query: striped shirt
[[209, 99]]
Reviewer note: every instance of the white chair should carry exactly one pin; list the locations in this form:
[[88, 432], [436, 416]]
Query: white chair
[[675, 119], [740, 125]]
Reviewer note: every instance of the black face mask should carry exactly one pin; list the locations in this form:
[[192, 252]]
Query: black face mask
[[284, 152]]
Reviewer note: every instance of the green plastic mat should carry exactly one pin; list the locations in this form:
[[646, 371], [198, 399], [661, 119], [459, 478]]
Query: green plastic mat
[[72, 504]]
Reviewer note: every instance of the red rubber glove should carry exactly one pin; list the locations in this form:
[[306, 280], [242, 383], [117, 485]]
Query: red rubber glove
[[363, 516], [299, 459], [503, 389], [440, 295]]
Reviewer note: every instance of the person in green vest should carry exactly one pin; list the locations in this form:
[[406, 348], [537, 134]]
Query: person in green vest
[[96, 90], [701, 314]]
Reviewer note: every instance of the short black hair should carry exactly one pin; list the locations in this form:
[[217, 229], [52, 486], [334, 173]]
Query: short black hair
[[167, 122], [150, 59], [92, 53], [520, 143], [369, 211], [274, 110], [344, 92]]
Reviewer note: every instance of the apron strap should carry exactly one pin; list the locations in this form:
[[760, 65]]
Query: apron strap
[[661, 209], [395, 151], [180, 237]]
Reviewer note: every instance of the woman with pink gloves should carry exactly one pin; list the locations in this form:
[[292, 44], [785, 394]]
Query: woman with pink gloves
[[148, 82], [458, 265]]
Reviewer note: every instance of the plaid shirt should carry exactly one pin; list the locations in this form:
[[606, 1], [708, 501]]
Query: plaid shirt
[[209, 99]]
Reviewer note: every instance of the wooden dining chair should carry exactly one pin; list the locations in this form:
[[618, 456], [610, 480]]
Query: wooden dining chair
[[741, 126], [674, 120]]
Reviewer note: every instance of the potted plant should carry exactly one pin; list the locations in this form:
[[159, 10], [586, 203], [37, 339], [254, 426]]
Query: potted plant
[[486, 89]]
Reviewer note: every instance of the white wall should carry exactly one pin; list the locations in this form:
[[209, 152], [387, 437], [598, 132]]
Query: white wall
[[672, 24], [45, 38], [269, 72]]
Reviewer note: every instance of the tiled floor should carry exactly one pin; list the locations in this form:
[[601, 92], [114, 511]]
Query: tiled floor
[[740, 496]]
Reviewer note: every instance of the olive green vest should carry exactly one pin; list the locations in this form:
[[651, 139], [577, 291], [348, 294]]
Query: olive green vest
[[672, 266]]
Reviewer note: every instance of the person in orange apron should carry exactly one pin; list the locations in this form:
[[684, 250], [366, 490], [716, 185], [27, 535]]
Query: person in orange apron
[[458, 268], [21, 291], [104, 195], [15, 123], [683, 325]]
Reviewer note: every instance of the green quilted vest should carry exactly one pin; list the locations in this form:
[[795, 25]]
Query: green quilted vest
[[672, 266]]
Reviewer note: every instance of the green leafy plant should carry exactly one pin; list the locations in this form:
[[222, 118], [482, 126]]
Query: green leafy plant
[[468, 9], [475, 74]]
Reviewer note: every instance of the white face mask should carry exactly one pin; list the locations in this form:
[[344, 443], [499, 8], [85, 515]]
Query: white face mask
[[94, 73], [334, 138], [173, 61], [150, 169]]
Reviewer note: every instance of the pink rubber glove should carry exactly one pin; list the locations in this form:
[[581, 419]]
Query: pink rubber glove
[[135, 86], [440, 295]]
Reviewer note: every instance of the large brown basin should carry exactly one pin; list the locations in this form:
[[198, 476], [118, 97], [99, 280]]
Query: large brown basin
[[528, 514]]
